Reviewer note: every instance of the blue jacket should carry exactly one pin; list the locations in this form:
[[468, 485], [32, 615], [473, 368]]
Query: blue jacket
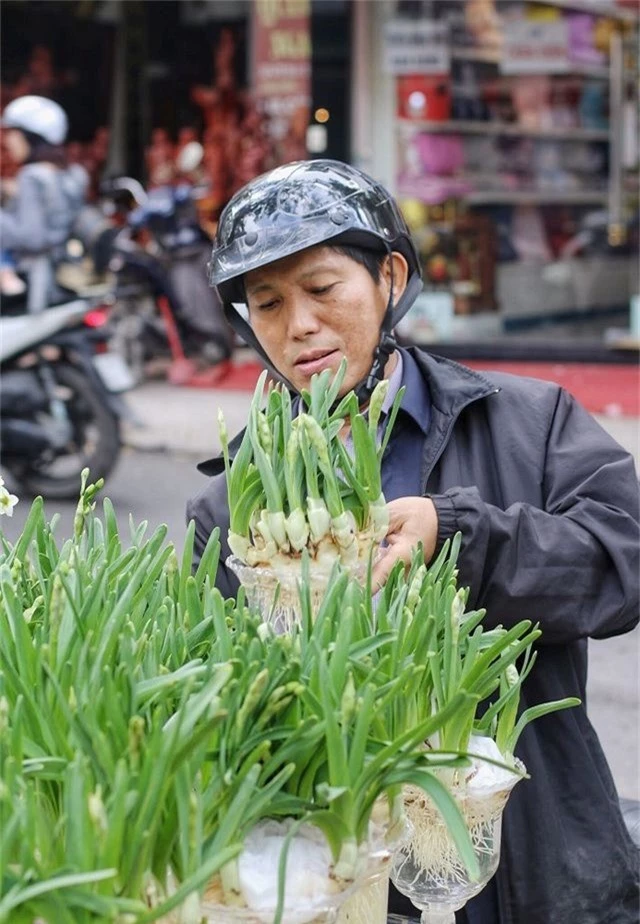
[[41, 214]]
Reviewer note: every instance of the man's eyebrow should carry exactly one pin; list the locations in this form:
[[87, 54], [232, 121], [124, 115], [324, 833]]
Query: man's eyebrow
[[321, 268], [259, 287]]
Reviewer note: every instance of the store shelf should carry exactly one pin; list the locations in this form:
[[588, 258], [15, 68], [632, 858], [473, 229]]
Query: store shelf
[[536, 197], [486, 55], [493, 56], [496, 128], [597, 8]]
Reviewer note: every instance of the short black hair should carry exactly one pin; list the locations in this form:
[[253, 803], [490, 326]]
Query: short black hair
[[372, 260]]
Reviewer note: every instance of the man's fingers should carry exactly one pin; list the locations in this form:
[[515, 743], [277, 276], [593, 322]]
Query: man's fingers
[[381, 571], [383, 568]]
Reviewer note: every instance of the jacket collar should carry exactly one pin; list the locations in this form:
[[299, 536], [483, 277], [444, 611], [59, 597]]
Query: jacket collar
[[451, 385]]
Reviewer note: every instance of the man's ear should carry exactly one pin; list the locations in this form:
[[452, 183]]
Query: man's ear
[[396, 264]]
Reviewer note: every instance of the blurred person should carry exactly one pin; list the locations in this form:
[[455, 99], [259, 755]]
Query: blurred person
[[49, 193], [314, 264], [10, 282]]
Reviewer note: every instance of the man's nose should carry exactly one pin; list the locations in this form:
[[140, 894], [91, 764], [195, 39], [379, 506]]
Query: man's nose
[[302, 318]]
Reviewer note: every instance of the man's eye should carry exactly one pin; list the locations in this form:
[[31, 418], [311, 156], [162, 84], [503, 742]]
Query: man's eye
[[321, 290], [266, 306]]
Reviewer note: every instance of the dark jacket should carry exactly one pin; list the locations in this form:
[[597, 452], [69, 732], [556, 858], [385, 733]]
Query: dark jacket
[[548, 507]]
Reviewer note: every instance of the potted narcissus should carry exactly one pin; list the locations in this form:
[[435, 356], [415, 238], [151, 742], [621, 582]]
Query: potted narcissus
[[166, 755], [297, 493], [487, 667]]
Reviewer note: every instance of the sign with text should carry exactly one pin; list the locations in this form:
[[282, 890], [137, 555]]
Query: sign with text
[[412, 47], [532, 47], [281, 78]]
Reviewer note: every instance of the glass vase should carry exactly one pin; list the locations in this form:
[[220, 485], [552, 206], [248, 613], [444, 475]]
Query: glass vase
[[427, 867], [361, 901], [325, 912], [364, 903], [368, 904], [211, 909], [275, 591]]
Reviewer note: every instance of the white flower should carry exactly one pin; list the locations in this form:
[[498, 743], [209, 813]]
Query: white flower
[[7, 501]]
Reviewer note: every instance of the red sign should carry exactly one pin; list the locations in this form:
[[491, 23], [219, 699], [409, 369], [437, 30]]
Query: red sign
[[281, 59]]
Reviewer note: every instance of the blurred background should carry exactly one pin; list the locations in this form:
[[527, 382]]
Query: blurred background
[[509, 130]]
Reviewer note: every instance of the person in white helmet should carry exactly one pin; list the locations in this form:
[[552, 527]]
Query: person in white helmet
[[48, 193]]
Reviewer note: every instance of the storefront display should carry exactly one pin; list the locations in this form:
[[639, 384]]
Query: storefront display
[[253, 110], [509, 128], [522, 132]]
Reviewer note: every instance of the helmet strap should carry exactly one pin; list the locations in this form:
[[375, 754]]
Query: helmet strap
[[382, 352], [387, 342]]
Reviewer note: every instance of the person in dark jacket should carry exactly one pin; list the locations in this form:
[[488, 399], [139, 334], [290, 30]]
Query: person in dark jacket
[[314, 264]]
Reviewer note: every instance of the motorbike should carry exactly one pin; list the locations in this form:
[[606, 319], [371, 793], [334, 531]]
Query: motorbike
[[157, 252], [61, 402]]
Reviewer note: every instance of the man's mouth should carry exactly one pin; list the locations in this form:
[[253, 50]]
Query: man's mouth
[[313, 361]]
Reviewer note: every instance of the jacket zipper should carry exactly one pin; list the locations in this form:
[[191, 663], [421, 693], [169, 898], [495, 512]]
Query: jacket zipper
[[447, 434]]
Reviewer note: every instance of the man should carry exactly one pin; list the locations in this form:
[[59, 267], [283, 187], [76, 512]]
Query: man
[[314, 264]]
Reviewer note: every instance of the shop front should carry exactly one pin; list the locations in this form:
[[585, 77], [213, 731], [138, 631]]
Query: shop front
[[509, 133], [141, 79]]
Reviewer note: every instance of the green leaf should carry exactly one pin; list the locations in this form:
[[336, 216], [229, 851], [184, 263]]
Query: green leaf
[[21, 897], [448, 808], [535, 712]]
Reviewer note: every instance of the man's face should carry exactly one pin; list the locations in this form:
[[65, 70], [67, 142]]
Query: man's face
[[316, 307]]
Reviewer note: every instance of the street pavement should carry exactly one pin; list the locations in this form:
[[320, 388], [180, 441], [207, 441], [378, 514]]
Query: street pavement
[[184, 420]]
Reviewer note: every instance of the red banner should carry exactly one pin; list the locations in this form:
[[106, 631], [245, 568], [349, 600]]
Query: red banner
[[281, 69]]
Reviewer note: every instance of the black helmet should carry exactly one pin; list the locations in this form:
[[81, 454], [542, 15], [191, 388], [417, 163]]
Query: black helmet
[[299, 205]]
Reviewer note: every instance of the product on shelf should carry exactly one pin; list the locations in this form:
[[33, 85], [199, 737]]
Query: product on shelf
[[424, 96]]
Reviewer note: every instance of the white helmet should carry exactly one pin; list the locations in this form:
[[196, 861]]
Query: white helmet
[[38, 115]]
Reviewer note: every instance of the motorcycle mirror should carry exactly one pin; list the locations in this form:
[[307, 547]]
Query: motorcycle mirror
[[190, 157]]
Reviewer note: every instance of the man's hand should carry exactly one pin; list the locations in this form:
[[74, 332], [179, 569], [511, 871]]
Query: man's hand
[[411, 520]]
